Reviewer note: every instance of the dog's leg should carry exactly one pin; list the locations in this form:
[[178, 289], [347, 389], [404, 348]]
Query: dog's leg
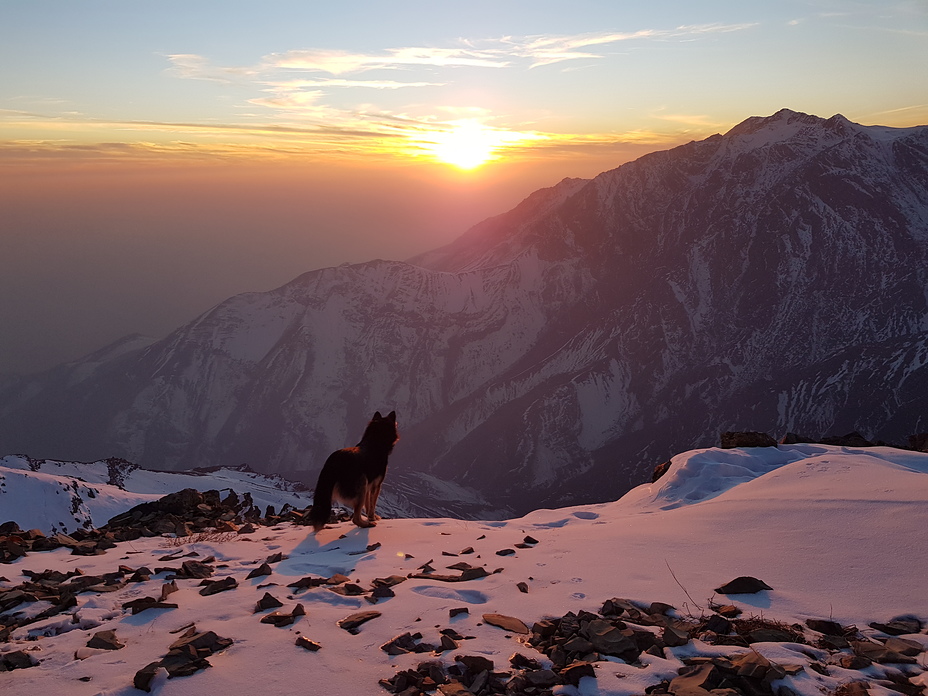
[[362, 502], [374, 495]]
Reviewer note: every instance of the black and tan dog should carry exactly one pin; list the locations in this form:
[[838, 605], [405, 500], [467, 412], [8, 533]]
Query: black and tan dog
[[354, 475]]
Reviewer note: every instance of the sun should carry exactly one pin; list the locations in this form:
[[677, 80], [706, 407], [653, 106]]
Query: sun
[[467, 144]]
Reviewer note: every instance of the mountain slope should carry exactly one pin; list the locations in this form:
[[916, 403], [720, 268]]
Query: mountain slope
[[754, 280]]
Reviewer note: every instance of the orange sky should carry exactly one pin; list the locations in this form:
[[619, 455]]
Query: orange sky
[[156, 158]]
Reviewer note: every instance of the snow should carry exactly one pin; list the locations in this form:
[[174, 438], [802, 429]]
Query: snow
[[839, 534], [64, 496]]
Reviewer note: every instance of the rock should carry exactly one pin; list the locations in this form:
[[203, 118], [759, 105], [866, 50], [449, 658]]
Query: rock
[[674, 637], [904, 646], [105, 640], [475, 663], [768, 635], [457, 611], [18, 659], [268, 601], [609, 640], [507, 623], [523, 587], [746, 438], [744, 584], [854, 662], [696, 680], [574, 672], [195, 570], [660, 470], [227, 583], [717, 624], [900, 625], [505, 552], [352, 622], [144, 603], [854, 688], [541, 678], [143, 678], [853, 439], [260, 571], [917, 442], [278, 619], [307, 644], [794, 439], [454, 688], [829, 628], [879, 653]]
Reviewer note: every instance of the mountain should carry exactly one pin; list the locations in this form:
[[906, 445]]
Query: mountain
[[837, 533], [774, 278]]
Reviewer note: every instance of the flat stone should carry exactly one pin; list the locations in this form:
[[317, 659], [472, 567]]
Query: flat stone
[[507, 623], [227, 583], [352, 622]]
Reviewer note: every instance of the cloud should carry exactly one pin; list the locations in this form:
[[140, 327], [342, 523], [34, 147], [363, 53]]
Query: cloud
[[195, 67], [341, 62]]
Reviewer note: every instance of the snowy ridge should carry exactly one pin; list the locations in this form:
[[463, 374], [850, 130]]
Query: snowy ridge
[[834, 531]]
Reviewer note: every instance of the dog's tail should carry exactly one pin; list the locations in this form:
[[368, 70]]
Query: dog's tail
[[321, 510]]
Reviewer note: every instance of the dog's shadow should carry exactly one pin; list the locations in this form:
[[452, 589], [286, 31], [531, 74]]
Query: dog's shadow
[[326, 552]]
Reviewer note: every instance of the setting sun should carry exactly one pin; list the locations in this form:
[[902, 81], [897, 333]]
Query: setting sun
[[467, 144]]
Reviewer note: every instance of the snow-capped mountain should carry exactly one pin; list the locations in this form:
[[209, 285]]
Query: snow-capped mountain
[[773, 278]]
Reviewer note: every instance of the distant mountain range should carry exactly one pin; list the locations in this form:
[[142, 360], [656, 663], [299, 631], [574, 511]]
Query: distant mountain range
[[773, 278]]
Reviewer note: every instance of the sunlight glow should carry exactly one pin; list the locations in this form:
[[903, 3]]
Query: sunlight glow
[[469, 144]]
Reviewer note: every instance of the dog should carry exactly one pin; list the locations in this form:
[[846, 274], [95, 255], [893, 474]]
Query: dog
[[354, 475]]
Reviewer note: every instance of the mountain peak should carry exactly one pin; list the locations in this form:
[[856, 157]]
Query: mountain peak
[[782, 117]]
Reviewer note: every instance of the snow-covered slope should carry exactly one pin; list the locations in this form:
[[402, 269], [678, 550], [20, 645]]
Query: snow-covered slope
[[838, 534], [773, 278], [55, 496]]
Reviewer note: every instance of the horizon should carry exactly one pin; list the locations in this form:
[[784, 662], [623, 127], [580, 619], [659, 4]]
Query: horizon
[[157, 160]]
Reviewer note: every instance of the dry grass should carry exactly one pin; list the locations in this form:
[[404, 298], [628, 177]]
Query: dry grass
[[201, 537]]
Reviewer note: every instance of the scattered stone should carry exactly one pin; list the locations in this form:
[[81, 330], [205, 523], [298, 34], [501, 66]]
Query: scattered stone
[[216, 586], [505, 552], [900, 625], [457, 611], [743, 585], [105, 640], [352, 622], [507, 623], [307, 644], [260, 571], [268, 601], [144, 603], [829, 628], [18, 659]]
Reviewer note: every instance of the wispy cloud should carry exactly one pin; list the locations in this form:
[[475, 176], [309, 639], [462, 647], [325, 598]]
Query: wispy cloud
[[342, 62]]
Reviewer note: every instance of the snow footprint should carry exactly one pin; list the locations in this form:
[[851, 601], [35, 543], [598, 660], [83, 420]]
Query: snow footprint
[[467, 596]]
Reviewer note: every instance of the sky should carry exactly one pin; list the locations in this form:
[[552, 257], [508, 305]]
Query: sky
[[156, 158]]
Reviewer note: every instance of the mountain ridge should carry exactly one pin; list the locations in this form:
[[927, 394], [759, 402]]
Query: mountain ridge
[[555, 353]]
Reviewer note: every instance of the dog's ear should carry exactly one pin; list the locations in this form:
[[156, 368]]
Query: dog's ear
[[377, 416], [391, 416]]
